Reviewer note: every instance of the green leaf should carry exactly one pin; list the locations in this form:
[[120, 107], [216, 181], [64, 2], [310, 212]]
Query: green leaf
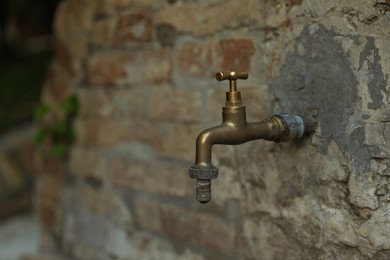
[[60, 129], [40, 135], [59, 149], [41, 111], [71, 105]]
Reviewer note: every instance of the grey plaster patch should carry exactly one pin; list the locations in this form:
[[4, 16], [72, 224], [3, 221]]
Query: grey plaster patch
[[321, 79], [18, 237], [377, 81]]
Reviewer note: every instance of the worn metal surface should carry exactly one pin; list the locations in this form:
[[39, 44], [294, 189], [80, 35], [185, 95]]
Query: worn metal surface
[[236, 130]]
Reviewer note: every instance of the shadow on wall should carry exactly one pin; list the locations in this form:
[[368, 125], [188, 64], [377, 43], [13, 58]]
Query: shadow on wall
[[25, 53]]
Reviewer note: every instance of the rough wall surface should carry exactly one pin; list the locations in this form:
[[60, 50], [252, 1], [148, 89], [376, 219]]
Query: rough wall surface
[[144, 73]]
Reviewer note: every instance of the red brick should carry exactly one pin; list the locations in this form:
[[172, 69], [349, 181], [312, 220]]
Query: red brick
[[195, 228], [235, 54], [133, 27], [104, 203], [102, 32], [70, 34], [256, 100], [109, 7], [103, 132], [115, 131], [153, 66], [197, 59], [169, 140], [63, 56], [58, 85], [114, 102], [107, 68], [49, 165], [157, 177], [115, 4], [49, 217], [48, 190], [152, 133], [207, 18], [95, 102], [48, 201], [215, 100], [206, 58], [85, 11], [180, 142], [175, 104], [87, 162], [156, 66], [131, 102]]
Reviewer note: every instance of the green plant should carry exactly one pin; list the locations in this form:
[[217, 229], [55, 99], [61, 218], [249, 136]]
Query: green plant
[[55, 125]]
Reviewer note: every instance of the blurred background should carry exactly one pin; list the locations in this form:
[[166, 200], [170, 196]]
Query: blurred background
[[143, 74], [25, 54]]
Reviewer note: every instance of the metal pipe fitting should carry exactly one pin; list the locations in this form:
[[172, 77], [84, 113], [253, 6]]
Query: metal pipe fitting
[[236, 130]]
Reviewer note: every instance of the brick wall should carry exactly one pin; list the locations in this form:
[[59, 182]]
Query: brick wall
[[143, 71]]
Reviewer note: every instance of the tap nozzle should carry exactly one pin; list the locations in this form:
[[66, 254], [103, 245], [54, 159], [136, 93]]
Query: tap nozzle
[[203, 176], [203, 190]]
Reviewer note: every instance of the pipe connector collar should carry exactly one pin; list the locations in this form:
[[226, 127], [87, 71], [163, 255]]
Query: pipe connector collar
[[203, 173], [295, 125]]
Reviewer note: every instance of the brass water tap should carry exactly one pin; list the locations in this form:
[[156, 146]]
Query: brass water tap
[[236, 130]]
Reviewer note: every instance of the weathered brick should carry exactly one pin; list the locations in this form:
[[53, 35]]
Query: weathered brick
[[116, 131], [180, 143], [105, 204], [85, 11], [103, 132], [214, 101], [205, 58], [110, 7], [70, 34], [131, 102], [208, 16], [107, 68], [48, 202], [157, 177], [58, 85], [88, 162], [115, 4], [196, 59], [128, 102], [133, 28], [157, 66], [235, 54], [175, 104], [48, 164], [195, 228], [257, 102], [95, 102], [63, 57], [102, 32], [154, 66]]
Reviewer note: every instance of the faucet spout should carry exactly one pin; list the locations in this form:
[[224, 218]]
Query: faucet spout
[[230, 134], [235, 130]]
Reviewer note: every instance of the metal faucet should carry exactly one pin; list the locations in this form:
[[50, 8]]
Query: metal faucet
[[236, 130]]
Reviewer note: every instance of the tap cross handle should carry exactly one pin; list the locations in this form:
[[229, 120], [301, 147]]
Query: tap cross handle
[[232, 76]]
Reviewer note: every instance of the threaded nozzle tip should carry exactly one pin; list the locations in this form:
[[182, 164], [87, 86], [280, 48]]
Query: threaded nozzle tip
[[203, 190]]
